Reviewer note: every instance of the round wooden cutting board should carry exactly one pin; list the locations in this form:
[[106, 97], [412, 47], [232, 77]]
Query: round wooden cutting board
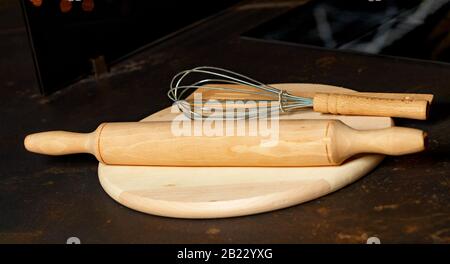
[[214, 192]]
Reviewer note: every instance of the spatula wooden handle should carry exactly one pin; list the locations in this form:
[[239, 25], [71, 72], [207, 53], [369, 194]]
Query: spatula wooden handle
[[347, 104], [297, 143]]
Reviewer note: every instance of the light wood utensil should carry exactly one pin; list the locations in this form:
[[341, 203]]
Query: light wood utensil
[[222, 84], [298, 143], [402, 105], [214, 192]]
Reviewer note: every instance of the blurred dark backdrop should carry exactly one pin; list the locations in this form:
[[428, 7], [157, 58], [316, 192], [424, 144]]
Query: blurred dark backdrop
[[68, 37], [415, 29]]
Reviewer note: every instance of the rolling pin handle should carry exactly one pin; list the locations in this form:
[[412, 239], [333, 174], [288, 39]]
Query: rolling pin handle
[[62, 143], [392, 141]]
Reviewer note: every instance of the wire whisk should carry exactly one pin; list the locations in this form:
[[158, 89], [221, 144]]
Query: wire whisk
[[268, 100]]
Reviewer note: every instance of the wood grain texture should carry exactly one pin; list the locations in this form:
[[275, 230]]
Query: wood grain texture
[[347, 104], [63, 143], [295, 143], [308, 90], [214, 192], [344, 101]]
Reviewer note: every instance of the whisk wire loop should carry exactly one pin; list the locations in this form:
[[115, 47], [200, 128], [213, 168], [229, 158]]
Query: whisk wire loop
[[217, 76]]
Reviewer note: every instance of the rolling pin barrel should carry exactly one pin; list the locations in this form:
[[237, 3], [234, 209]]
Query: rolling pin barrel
[[296, 143]]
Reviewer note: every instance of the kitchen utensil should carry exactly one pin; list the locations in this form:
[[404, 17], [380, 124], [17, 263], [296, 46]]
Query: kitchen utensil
[[215, 192], [226, 85], [298, 143]]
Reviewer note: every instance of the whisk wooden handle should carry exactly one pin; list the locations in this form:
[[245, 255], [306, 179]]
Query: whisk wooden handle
[[346, 104], [297, 143]]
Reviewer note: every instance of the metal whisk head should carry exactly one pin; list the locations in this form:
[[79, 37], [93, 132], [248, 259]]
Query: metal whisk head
[[213, 78]]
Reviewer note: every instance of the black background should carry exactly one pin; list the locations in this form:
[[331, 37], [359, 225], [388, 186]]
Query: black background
[[64, 43]]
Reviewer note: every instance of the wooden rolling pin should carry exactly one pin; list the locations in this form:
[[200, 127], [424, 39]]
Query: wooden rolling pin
[[300, 143]]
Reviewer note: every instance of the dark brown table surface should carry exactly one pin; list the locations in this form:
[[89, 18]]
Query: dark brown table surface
[[48, 199]]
